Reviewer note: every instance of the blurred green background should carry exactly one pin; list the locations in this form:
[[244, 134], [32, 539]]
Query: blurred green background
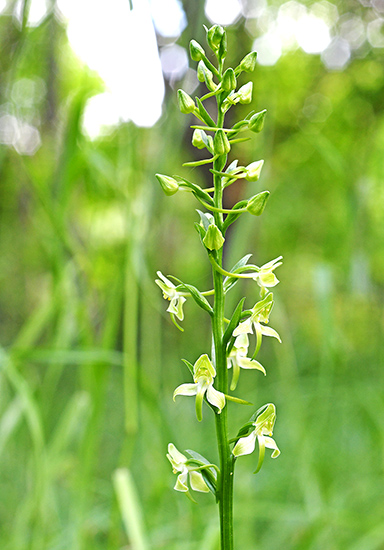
[[89, 358]]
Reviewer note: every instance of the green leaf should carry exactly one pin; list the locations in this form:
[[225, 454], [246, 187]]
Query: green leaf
[[205, 220], [204, 113], [201, 231], [198, 192], [229, 282], [200, 300], [233, 217], [189, 365], [209, 474], [233, 322], [237, 400]]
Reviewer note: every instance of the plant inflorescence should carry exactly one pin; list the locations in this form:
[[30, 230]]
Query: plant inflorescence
[[230, 333]]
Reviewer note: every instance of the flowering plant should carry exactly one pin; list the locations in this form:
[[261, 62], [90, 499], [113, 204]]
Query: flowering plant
[[230, 334]]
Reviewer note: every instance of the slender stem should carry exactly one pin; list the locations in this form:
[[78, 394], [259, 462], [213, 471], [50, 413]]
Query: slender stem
[[225, 481]]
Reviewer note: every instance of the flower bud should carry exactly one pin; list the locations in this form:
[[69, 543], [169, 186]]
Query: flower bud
[[248, 64], [213, 239], [256, 122], [169, 185], [186, 103], [245, 93], [252, 171], [196, 51], [257, 203], [229, 80], [221, 145], [215, 36], [205, 75], [199, 139]]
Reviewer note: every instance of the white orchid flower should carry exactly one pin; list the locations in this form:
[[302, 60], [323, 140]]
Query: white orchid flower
[[265, 277], [203, 374], [178, 461], [262, 433], [260, 314], [238, 359], [170, 293]]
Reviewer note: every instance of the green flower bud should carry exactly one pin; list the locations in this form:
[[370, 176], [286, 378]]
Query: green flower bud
[[169, 185], [196, 51], [221, 145], [213, 239], [252, 171], [256, 122], [199, 139], [245, 93], [186, 103], [248, 64], [257, 203], [205, 75], [229, 80], [214, 37]]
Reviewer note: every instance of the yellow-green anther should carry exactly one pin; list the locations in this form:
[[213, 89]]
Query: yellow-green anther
[[213, 239], [169, 185], [245, 93], [215, 36], [221, 145], [196, 51], [229, 80], [252, 171], [186, 103], [199, 139], [248, 64], [257, 203], [256, 122]]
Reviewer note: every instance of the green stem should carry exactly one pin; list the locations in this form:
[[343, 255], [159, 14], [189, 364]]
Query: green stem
[[225, 481]]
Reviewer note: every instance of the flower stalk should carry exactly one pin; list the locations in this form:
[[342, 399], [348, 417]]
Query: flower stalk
[[229, 335]]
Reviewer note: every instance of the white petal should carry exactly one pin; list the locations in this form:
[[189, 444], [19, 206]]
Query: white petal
[[244, 327], [271, 444], [175, 457], [216, 398], [246, 363], [273, 263], [197, 482], [268, 331], [181, 482], [245, 445], [185, 389], [176, 306]]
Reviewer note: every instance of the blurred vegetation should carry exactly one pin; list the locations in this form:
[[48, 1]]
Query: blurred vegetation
[[89, 359]]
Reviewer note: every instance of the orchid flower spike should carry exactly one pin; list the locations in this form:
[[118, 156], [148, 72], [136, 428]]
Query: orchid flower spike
[[263, 432], [180, 466], [238, 359], [170, 293], [203, 374]]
